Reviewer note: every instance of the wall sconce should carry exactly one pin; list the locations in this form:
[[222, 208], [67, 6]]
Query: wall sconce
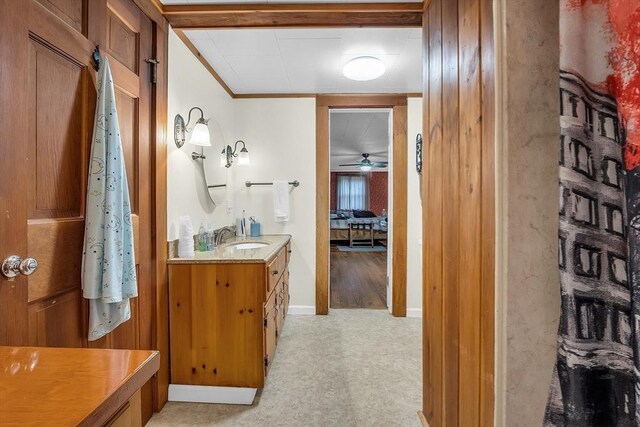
[[199, 133], [227, 155]]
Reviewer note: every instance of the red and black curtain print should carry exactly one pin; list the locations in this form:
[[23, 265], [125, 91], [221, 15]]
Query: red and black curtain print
[[596, 380]]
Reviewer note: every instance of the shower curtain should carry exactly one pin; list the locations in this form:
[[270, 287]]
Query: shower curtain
[[596, 380]]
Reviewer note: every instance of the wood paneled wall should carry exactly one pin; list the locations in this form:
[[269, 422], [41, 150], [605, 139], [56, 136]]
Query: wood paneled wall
[[458, 221]]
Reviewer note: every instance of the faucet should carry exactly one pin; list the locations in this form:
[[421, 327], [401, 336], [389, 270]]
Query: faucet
[[219, 233]]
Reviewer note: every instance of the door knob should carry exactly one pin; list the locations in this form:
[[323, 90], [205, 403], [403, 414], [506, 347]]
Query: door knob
[[14, 265], [11, 266], [28, 266]]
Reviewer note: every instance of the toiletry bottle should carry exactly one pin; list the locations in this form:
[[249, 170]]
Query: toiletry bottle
[[210, 236], [202, 238]]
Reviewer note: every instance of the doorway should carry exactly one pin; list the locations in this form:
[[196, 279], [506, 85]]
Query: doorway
[[359, 141], [396, 105]]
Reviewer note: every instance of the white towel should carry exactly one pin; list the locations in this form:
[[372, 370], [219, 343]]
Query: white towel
[[108, 264], [281, 201]]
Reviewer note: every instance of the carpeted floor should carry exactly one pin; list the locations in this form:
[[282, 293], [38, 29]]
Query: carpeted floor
[[350, 368]]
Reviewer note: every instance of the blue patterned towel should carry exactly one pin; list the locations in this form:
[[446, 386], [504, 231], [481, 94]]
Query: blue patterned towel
[[108, 264]]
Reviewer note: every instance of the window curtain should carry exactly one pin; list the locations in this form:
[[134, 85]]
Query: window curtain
[[596, 380], [352, 192]]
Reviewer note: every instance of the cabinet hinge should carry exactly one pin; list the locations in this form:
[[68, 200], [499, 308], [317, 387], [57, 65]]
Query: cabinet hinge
[[266, 322], [154, 69], [266, 361], [276, 333]]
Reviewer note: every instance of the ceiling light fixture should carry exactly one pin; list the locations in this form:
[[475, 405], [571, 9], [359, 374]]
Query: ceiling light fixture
[[363, 68]]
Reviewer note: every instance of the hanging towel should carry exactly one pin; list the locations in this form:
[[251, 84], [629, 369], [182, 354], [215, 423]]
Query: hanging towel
[[281, 201], [108, 264]]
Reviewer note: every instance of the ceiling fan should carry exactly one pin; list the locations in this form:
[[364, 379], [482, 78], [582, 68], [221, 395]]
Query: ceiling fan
[[366, 164]]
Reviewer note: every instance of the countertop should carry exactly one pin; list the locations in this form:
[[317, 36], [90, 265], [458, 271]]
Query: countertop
[[69, 386], [226, 253]]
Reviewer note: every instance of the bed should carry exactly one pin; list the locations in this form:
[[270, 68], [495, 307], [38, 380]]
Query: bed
[[340, 223]]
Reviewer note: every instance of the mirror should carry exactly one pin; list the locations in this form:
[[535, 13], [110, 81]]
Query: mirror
[[215, 176]]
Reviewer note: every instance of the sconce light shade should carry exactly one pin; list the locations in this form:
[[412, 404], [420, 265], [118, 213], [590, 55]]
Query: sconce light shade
[[243, 157], [200, 134], [228, 153]]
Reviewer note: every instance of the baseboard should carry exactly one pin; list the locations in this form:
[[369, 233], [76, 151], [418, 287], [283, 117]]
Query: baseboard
[[307, 310], [414, 312], [211, 394]]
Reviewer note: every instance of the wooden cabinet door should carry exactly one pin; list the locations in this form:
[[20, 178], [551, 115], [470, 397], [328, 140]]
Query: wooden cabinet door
[[47, 100], [270, 328]]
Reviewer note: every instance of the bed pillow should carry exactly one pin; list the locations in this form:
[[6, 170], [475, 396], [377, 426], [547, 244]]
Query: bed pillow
[[363, 214]]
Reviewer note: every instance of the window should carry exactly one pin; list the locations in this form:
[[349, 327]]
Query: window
[[618, 269], [591, 318], [586, 260], [352, 192], [613, 214], [611, 172], [582, 160], [585, 208], [564, 194], [608, 126], [620, 325]]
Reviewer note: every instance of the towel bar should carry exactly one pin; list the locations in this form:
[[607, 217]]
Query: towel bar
[[249, 183]]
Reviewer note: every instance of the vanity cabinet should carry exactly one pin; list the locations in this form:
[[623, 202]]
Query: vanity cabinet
[[226, 317]]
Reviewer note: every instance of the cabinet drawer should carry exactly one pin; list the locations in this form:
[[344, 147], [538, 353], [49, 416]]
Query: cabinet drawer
[[275, 268]]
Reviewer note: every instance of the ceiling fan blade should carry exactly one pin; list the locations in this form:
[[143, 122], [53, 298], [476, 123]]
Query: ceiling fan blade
[[380, 164], [352, 164]]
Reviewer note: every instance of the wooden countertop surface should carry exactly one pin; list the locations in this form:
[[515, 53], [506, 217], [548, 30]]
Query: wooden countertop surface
[[69, 386]]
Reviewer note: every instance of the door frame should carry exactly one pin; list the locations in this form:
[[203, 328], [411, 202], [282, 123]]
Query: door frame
[[398, 105]]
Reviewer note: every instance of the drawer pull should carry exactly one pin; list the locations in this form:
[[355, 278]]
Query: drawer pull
[[275, 272]]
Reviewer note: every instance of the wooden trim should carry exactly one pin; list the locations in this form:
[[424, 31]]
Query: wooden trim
[[273, 95], [399, 215], [159, 200], [203, 61], [399, 105], [212, 9], [322, 209], [295, 15], [488, 215], [423, 420], [154, 11]]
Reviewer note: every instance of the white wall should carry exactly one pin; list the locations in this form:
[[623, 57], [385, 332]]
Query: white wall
[[280, 136], [414, 211], [190, 85]]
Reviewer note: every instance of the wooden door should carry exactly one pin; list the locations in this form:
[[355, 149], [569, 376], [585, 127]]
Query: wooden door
[[47, 100]]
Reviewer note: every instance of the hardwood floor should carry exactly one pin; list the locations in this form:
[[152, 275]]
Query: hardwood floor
[[358, 279]]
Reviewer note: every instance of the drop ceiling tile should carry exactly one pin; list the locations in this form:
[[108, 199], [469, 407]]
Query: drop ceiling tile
[[264, 72], [309, 47], [196, 34], [374, 41], [309, 33], [245, 42]]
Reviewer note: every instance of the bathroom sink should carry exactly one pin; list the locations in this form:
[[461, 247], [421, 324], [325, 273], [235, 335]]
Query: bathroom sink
[[248, 245]]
